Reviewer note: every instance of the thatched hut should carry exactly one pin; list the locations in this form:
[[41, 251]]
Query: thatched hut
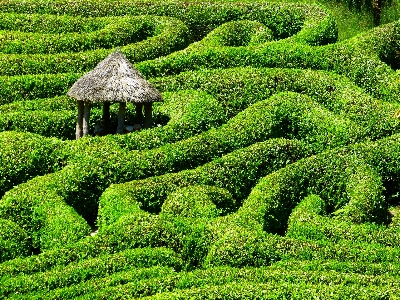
[[114, 79]]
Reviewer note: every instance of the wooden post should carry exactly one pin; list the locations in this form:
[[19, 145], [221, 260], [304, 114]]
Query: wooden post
[[86, 117], [148, 121], [79, 123], [121, 117], [139, 114], [106, 118]]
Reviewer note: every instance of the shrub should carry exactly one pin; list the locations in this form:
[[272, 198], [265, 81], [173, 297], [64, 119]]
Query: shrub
[[281, 190], [14, 241], [89, 269], [237, 172], [24, 156], [198, 202], [240, 247]]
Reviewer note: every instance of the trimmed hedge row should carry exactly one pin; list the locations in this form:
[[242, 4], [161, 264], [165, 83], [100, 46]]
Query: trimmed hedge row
[[347, 267], [363, 59], [189, 112], [198, 201], [252, 125], [238, 88], [13, 241], [246, 290], [201, 279], [48, 23], [30, 87], [40, 210], [116, 32], [234, 34], [215, 142], [272, 200], [45, 104], [283, 19], [88, 289], [307, 223], [336, 93], [285, 108], [24, 156], [169, 35], [59, 124], [50, 119], [236, 172], [90, 269], [263, 120]]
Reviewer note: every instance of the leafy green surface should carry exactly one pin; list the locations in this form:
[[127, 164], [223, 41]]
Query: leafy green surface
[[271, 169]]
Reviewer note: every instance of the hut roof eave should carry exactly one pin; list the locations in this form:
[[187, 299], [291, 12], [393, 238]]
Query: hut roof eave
[[114, 79]]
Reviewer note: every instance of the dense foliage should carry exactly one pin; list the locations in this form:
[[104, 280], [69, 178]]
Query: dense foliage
[[271, 169]]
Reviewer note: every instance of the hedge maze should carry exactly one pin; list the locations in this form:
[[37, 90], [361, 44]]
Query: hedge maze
[[271, 170]]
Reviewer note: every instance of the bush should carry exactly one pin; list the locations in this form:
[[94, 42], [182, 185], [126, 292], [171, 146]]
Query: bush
[[14, 241], [24, 156], [171, 34], [198, 202], [236, 172], [240, 247], [281, 190], [89, 269], [116, 32]]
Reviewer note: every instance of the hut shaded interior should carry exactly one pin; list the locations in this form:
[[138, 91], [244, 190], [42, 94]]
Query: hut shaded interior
[[114, 79]]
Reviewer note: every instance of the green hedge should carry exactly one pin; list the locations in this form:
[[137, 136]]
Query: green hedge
[[252, 125], [90, 269], [29, 87], [271, 202], [13, 241], [169, 35], [199, 201], [283, 290], [90, 288], [59, 103], [284, 20], [48, 23], [186, 113], [215, 278], [239, 247], [307, 221], [334, 92], [362, 59], [51, 120], [116, 32], [248, 127], [24, 156], [40, 210], [237, 172]]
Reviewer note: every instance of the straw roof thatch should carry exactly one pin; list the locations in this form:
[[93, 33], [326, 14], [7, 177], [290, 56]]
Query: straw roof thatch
[[114, 79]]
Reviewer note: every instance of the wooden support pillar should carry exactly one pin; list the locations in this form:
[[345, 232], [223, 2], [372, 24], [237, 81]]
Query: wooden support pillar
[[121, 117], [86, 117], [148, 121], [106, 118], [79, 123], [139, 114]]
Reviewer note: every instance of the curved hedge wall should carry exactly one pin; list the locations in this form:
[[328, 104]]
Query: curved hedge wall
[[270, 170]]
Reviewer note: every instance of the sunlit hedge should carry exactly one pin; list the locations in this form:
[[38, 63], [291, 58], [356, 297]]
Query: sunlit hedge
[[270, 171]]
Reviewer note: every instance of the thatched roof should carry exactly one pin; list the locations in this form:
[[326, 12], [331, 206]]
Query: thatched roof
[[114, 79]]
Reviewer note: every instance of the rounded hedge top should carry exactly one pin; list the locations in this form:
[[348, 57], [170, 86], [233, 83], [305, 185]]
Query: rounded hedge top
[[199, 201]]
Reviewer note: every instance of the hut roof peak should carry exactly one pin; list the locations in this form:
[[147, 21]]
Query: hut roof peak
[[114, 79]]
